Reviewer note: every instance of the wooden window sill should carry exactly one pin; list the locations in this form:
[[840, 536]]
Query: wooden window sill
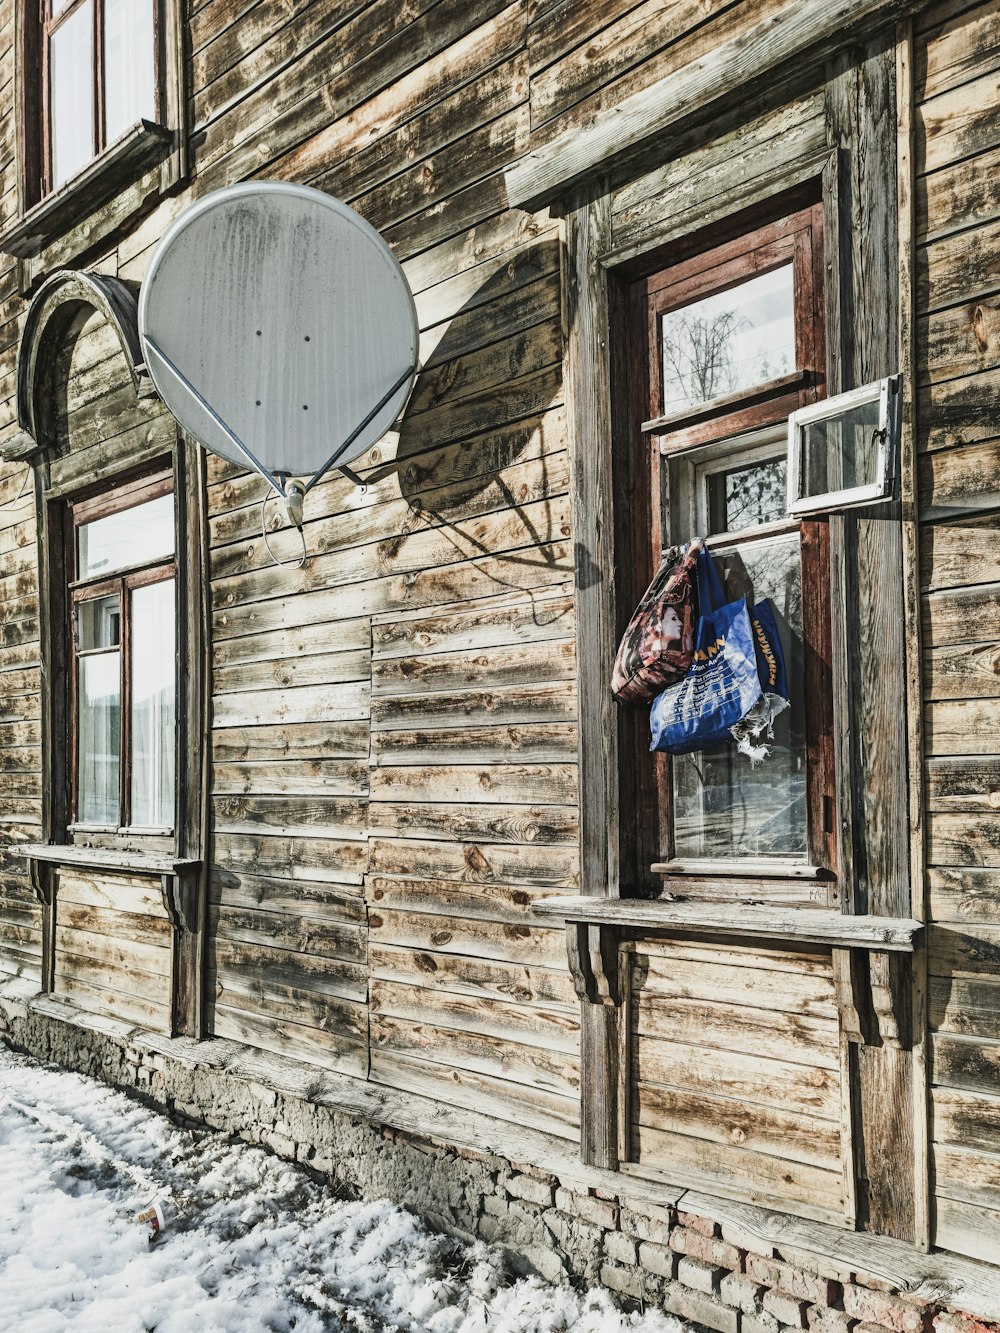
[[103, 858], [135, 152], [807, 925]]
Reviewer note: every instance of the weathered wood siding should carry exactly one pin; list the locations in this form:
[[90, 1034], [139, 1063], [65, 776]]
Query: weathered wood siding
[[957, 70], [736, 1073], [113, 947]]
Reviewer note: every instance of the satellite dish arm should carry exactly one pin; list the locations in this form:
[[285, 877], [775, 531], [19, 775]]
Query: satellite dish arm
[[210, 411], [332, 460]]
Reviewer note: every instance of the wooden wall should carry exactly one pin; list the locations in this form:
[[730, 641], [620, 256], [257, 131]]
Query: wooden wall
[[957, 69], [394, 734]]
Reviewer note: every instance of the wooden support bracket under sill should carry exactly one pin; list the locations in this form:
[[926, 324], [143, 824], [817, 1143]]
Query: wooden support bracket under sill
[[869, 953]]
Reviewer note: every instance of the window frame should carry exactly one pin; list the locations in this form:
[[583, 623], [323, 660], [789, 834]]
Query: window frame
[[135, 170], [50, 25], [790, 230], [114, 500]]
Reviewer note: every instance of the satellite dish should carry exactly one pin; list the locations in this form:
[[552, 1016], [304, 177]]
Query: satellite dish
[[280, 331]]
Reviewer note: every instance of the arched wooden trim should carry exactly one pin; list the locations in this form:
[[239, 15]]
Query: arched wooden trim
[[54, 302]]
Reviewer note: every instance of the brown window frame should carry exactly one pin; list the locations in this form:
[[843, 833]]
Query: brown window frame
[[49, 25], [700, 266], [117, 499]]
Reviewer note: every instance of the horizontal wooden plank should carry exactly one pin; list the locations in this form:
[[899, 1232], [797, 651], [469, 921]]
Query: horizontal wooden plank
[[961, 615], [481, 824], [146, 1010], [960, 553], [967, 1228], [958, 123], [329, 902], [962, 726], [955, 49], [971, 951], [742, 1173], [775, 1132], [755, 987], [506, 941], [296, 858], [957, 195], [750, 1079], [278, 968], [970, 1063], [491, 902], [495, 668], [963, 671], [522, 706], [482, 863], [474, 976], [965, 1006], [293, 777], [331, 1050], [311, 934], [546, 1069], [288, 646], [963, 839], [290, 707], [495, 622], [958, 894], [308, 740], [326, 669], [468, 783], [548, 565], [521, 1024], [967, 1177], [969, 782], [542, 743], [335, 817], [952, 413], [264, 997], [113, 956], [965, 1119], [113, 923], [533, 1108], [798, 1038]]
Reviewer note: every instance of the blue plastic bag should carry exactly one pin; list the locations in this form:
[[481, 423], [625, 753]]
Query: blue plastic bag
[[736, 686]]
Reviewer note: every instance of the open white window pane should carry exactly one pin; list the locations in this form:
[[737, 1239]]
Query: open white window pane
[[153, 705], [133, 536], [729, 341], [841, 451], [98, 729], [724, 807], [71, 94], [129, 65]]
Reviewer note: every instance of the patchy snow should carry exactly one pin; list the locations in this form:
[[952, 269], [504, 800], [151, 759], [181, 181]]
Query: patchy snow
[[250, 1242]]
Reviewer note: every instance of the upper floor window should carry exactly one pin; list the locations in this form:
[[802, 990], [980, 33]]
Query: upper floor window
[[98, 68], [733, 344], [122, 605]]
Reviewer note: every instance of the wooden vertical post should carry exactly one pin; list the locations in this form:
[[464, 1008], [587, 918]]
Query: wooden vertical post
[[585, 312], [870, 670]]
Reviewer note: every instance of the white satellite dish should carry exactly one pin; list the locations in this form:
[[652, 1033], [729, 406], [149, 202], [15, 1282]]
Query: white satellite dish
[[280, 331]]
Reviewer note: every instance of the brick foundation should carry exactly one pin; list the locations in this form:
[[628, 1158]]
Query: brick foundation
[[713, 1273]]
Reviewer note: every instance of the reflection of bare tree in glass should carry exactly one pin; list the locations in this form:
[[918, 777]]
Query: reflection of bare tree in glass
[[697, 353], [755, 494]]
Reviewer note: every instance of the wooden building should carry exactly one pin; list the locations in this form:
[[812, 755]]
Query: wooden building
[[377, 822]]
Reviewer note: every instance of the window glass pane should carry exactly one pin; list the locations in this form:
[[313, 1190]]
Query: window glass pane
[[841, 452], [129, 65], [729, 341], [98, 719], [58, 6], [724, 806], [153, 705], [128, 537], [71, 94], [98, 624], [747, 496]]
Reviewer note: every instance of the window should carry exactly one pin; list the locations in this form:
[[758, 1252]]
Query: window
[[99, 66], [733, 343], [122, 608], [100, 114]]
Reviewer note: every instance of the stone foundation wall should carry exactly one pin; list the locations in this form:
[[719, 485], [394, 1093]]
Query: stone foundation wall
[[716, 1274]]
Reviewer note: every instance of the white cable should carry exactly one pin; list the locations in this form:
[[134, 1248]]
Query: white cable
[[263, 531]]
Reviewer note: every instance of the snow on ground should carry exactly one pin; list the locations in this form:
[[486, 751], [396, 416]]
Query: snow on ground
[[251, 1242]]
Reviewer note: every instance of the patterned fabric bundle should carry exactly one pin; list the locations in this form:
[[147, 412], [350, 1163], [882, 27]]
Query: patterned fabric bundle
[[656, 648]]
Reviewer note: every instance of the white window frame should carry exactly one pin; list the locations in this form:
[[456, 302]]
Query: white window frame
[[886, 392]]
